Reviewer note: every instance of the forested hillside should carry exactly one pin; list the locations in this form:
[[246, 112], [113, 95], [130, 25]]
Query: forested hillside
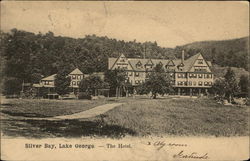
[[27, 56], [233, 53]]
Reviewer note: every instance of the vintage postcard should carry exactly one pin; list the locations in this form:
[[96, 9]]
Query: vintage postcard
[[124, 80]]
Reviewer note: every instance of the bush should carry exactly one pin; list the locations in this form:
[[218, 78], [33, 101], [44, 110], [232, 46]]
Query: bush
[[84, 95]]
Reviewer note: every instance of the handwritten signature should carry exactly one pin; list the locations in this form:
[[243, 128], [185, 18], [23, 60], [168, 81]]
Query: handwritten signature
[[193, 155], [160, 144]]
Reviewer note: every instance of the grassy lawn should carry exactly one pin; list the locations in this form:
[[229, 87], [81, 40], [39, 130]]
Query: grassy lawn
[[182, 116], [137, 117], [47, 108]]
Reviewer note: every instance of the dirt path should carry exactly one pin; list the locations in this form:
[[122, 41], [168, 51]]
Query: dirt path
[[85, 114], [91, 112]]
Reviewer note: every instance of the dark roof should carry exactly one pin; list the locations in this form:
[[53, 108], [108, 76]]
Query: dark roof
[[188, 63]]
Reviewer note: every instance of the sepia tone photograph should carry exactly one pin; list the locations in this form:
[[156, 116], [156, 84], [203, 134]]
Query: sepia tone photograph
[[109, 80]]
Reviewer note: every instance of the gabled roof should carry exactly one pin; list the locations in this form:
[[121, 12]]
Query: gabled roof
[[112, 62], [139, 63], [163, 61], [170, 63], [209, 63], [134, 61], [116, 59], [188, 63], [75, 71], [150, 62], [50, 78]]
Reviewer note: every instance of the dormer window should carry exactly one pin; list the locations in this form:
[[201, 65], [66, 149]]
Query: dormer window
[[139, 65]]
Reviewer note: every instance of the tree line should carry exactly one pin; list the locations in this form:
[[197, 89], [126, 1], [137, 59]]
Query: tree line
[[116, 82], [28, 57]]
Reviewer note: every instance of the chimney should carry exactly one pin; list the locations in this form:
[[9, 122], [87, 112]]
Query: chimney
[[182, 56]]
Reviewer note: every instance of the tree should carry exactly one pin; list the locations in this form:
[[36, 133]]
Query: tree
[[158, 83], [219, 88], [91, 84], [244, 83], [12, 85], [117, 80], [231, 85], [62, 82]]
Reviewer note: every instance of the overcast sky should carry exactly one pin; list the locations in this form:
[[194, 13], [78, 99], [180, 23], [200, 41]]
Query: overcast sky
[[168, 23]]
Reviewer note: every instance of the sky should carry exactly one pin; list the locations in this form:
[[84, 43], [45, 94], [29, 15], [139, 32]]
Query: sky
[[168, 23]]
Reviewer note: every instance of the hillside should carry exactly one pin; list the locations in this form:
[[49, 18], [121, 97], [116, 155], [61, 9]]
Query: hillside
[[221, 71], [233, 53], [27, 57]]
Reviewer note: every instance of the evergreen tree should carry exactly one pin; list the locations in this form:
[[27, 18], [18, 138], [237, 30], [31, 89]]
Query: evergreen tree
[[62, 82], [231, 85]]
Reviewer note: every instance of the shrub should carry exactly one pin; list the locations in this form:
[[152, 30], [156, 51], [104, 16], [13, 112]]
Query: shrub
[[84, 95]]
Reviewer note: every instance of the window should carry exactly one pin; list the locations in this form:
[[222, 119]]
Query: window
[[122, 60], [200, 61], [200, 75], [78, 82], [180, 83], [200, 83], [209, 76], [138, 65], [200, 69], [78, 77], [130, 73], [190, 83], [181, 75], [137, 74], [46, 82], [73, 83], [194, 83], [73, 77]]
